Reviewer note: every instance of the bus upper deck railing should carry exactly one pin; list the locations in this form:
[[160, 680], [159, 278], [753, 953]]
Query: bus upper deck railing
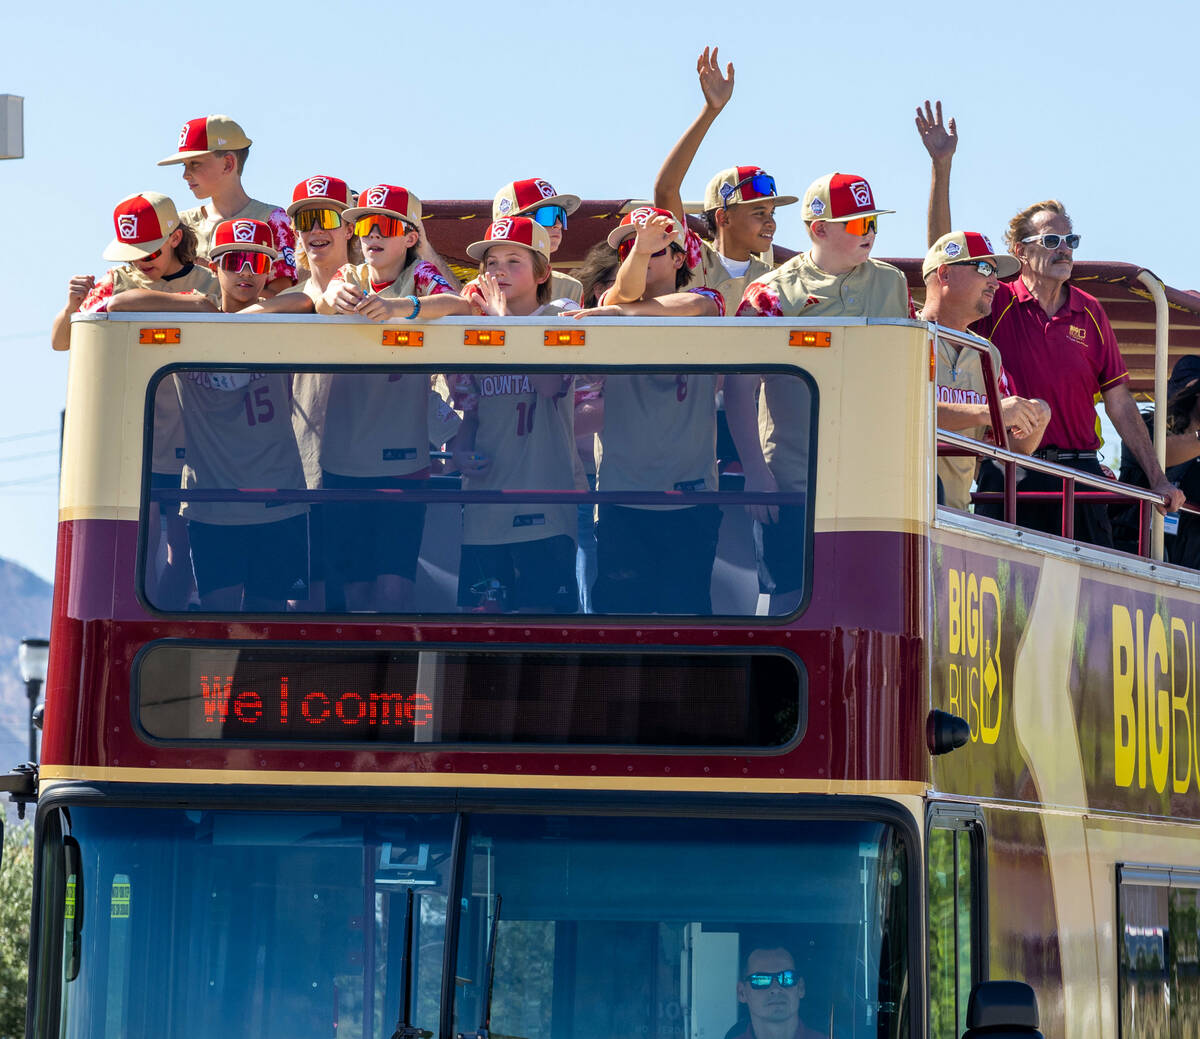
[[1109, 492]]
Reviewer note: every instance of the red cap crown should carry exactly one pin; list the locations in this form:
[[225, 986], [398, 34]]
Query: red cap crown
[[136, 221], [849, 194], [977, 245], [385, 196], [515, 229], [194, 135], [243, 234], [531, 192], [322, 187]]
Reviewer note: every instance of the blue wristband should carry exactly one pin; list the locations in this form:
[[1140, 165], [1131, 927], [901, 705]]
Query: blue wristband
[[416, 308]]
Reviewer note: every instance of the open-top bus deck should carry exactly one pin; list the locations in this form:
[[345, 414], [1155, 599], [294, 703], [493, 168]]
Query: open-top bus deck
[[311, 823]]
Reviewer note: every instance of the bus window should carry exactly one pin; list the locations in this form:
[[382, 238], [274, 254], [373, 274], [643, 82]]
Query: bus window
[[956, 891], [1184, 922], [644, 927], [401, 491], [200, 924]]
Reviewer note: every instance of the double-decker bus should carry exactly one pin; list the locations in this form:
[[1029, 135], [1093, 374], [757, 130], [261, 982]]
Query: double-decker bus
[[970, 752]]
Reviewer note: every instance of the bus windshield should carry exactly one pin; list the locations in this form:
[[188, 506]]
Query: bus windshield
[[407, 490], [202, 923]]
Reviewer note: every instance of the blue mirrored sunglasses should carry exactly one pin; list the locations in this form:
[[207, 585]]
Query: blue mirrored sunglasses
[[548, 216], [761, 184], [786, 979]]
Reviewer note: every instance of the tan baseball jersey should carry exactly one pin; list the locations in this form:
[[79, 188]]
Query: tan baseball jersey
[[660, 434], [239, 434], [205, 223], [960, 381], [530, 440], [799, 288], [169, 447], [563, 286], [378, 425], [712, 272]]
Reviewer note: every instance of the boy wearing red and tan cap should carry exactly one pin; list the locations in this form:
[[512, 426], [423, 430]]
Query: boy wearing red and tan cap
[[739, 203], [835, 278], [536, 199], [517, 434], [159, 254], [659, 434], [377, 426], [213, 151], [246, 555]]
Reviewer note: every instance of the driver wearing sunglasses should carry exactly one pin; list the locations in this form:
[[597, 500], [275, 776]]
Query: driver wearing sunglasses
[[772, 990]]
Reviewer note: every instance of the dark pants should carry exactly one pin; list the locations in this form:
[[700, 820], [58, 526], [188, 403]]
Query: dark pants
[[1091, 521]]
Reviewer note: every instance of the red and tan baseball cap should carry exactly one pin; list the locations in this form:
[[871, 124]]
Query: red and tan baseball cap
[[636, 218], [523, 195], [513, 230], [388, 200], [327, 190], [963, 246], [143, 222], [251, 235], [839, 197], [742, 184], [209, 133]]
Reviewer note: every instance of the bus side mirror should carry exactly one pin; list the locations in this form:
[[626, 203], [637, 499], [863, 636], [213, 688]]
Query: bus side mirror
[[1002, 1010]]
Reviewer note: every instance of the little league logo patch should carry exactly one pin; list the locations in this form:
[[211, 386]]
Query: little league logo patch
[[376, 197], [545, 188], [817, 207], [500, 229], [317, 185], [505, 206], [183, 135], [243, 231], [953, 249], [127, 225], [988, 242], [861, 191], [640, 216]]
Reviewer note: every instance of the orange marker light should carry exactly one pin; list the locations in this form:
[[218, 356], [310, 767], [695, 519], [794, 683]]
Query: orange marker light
[[397, 337], [483, 337], [933, 360], [565, 337], [798, 337], [158, 336]]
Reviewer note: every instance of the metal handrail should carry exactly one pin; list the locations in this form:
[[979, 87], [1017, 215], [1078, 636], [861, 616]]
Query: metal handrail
[[1110, 491]]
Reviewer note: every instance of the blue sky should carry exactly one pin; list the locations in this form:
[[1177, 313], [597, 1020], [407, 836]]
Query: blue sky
[[454, 100]]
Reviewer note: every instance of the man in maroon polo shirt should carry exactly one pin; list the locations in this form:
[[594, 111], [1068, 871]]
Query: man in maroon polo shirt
[[1058, 345], [772, 989]]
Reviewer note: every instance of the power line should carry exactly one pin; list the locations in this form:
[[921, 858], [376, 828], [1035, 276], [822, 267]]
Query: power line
[[24, 481], [29, 454], [28, 436]]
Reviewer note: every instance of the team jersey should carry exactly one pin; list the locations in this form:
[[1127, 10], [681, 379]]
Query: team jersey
[[169, 446], [799, 288], [238, 435], [205, 224], [960, 381], [660, 434], [712, 272], [377, 425], [563, 286], [529, 439]]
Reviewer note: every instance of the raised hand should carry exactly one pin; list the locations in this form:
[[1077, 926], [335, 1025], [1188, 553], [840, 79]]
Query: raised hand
[[654, 235], [717, 88], [491, 296], [940, 139], [78, 288]]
